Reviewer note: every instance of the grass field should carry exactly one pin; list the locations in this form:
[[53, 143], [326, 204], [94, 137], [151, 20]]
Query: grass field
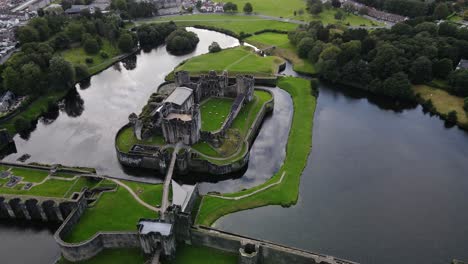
[[238, 60], [298, 148], [36, 109], [190, 254], [214, 112], [114, 211], [150, 193], [443, 102], [249, 112], [30, 175], [78, 56], [114, 256], [126, 139], [235, 23], [283, 48]]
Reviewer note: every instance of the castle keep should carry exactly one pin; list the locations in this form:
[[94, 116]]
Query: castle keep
[[177, 116]]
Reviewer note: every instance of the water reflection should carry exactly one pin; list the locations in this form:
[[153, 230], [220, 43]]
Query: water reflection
[[380, 186], [73, 104], [129, 62]]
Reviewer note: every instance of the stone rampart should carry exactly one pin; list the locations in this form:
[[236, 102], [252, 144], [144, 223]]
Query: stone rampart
[[45, 209], [255, 251]]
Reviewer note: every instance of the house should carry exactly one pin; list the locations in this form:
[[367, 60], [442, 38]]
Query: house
[[462, 65], [7, 100]]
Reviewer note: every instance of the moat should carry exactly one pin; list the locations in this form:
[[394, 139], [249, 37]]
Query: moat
[[380, 186]]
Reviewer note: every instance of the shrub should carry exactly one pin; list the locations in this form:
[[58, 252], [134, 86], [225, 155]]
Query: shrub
[[21, 124], [89, 60], [91, 46], [452, 117], [214, 47], [104, 55], [465, 104], [81, 71], [429, 106]]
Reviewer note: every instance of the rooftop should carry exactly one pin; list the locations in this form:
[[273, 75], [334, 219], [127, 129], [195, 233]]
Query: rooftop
[[183, 117], [179, 95], [463, 64], [148, 226], [181, 194]]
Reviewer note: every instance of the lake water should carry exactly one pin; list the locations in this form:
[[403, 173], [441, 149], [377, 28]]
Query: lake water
[[382, 185]]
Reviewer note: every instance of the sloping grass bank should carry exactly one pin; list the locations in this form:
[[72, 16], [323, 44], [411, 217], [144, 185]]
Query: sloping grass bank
[[238, 60], [283, 48], [297, 151]]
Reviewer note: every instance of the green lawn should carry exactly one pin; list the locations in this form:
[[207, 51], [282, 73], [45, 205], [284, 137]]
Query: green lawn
[[214, 112], [150, 193], [205, 148], [126, 139], [36, 109], [238, 60], [78, 56], [51, 188], [30, 175], [443, 102], [235, 23], [249, 112], [190, 254], [283, 48], [114, 211], [298, 148], [114, 256]]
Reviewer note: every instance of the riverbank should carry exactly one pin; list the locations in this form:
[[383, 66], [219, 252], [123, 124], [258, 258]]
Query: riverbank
[[442, 103], [282, 188]]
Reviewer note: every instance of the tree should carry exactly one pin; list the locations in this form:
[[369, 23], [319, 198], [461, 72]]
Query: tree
[[452, 117], [465, 104], [421, 70], [27, 34], [31, 78], [91, 46], [12, 80], [230, 7], [339, 15], [448, 29], [61, 41], [441, 11], [316, 9], [41, 26], [458, 81], [248, 8], [126, 43], [336, 3], [349, 8], [21, 124], [214, 47], [397, 86], [81, 71], [363, 11], [120, 5], [442, 68], [304, 46], [74, 31], [181, 41], [465, 15], [61, 74]]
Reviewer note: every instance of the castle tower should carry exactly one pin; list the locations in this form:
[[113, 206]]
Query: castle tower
[[182, 78]]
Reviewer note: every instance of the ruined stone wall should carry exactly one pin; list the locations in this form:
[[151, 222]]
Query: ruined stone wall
[[35, 208], [255, 251]]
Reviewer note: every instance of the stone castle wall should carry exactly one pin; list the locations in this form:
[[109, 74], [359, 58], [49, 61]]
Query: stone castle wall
[[194, 161]]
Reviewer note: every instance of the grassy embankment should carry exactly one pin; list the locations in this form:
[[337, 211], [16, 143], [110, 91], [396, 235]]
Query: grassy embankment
[[283, 48], [34, 110], [214, 112], [51, 187], [186, 254], [126, 139], [443, 102], [78, 56], [298, 148], [117, 211], [234, 23], [238, 60]]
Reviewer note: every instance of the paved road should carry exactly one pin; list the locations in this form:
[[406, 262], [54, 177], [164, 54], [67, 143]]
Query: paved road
[[168, 179]]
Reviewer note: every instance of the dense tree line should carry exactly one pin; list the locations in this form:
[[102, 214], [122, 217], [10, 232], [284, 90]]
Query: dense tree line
[[387, 61], [130, 9], [181, 41], [152, 35], [415, 8], [38, 67]]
